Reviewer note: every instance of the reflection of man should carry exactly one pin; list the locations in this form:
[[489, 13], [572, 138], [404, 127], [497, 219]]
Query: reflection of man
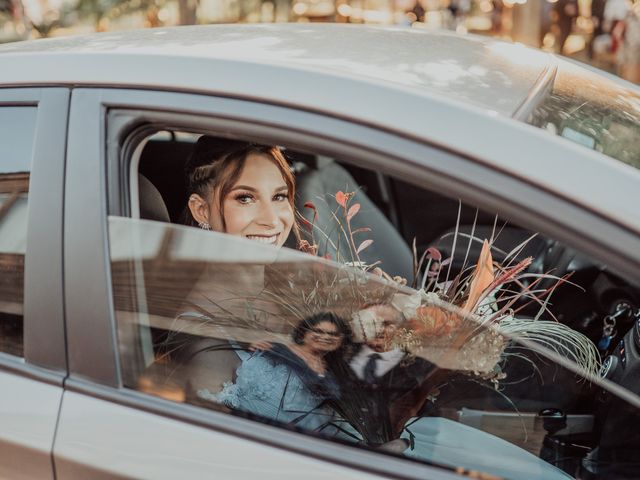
[[377, 356], [388, 384]]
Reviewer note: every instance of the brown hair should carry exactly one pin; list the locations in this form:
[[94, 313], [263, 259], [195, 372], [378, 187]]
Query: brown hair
[[216, 165]]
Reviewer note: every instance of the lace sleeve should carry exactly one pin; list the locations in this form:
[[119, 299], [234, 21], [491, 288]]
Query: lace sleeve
[[258, 380]]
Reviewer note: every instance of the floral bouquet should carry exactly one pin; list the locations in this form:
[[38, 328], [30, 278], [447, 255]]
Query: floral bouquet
[[464, 322]]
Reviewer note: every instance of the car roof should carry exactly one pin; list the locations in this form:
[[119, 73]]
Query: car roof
[[457, 92], [474, 70]]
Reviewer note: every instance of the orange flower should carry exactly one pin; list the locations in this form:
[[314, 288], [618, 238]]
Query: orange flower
[[483, 276], [433, 321]]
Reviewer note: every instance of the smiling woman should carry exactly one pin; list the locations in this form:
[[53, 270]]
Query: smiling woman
[[241, 189], [300, 375]]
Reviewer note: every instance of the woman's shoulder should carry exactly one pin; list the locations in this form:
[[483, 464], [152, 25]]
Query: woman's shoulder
[[281, 354]]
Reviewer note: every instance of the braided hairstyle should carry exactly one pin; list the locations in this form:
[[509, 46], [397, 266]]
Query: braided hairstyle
[[215, 166]]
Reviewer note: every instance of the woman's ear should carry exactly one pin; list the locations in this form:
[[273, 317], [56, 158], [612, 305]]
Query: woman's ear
[[199, 208]]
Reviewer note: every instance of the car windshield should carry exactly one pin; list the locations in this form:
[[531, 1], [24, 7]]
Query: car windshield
[[593, 111]]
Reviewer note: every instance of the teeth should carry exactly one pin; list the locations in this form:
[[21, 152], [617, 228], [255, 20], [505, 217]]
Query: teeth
[[263, 239]]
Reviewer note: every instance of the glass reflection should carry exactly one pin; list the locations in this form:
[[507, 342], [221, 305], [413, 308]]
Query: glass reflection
[[594, 112], [328, 349]]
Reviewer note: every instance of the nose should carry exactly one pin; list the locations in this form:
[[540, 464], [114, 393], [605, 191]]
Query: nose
[[268, 215]]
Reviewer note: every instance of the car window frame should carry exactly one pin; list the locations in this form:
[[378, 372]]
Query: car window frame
[[104, 121], [44, 329]]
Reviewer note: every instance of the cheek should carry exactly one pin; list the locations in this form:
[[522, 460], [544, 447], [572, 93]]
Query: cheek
[[237, 218], [286, 216], [215, 219]]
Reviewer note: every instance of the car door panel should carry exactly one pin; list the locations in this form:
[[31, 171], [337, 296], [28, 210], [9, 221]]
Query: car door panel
[[103, 436], [28, 415], [32, 374], [100, 439]]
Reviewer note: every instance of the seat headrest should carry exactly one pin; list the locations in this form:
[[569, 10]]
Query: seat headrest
[[152, 206]]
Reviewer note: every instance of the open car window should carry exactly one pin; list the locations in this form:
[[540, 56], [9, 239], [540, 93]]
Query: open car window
[[481, 351]]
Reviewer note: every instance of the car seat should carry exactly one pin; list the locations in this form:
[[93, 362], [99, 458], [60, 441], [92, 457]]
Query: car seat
[[318, 180], [152, 206]]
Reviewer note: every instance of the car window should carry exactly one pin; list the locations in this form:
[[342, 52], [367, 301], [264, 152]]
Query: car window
[[592, 111], [475, 348], [17, 128]]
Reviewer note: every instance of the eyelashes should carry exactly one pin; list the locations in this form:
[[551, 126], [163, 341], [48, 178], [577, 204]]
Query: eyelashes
[[243, 198], [246, 198], [281, 196]]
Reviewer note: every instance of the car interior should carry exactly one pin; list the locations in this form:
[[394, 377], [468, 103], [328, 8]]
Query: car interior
[[570, 418]]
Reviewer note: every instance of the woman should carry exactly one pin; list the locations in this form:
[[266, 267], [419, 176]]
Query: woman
[[245, 190], [292, 383], [241, 189]]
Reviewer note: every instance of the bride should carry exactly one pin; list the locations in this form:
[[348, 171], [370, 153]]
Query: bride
[[244, 190]]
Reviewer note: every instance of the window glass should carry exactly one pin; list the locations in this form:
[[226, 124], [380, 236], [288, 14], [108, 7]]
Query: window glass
[[17, 128], [594, 112], [469, 354]]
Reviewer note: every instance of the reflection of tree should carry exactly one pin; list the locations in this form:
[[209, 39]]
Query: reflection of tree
[[97, 10], [13, 12], [187, 11], [13, 187]]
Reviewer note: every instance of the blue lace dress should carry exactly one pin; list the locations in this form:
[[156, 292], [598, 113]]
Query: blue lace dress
[[278, 385]]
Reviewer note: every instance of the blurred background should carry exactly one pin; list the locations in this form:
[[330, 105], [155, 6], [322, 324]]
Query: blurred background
[[604, 33]]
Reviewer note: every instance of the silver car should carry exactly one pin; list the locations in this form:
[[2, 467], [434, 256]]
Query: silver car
[[115, 342]]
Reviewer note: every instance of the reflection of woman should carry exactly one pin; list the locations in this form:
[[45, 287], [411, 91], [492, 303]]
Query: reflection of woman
[[291, 383]]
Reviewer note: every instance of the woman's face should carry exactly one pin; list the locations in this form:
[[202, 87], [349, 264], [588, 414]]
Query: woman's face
[[257, 207], [323, 337]]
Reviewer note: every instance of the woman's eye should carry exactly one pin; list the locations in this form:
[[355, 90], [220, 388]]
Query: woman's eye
[[244, 198], [281, 197]]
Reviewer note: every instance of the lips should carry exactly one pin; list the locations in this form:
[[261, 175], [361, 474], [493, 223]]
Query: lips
[[267, 239]]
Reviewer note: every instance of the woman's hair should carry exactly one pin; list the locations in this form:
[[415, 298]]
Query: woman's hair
[[307, 324], [336, 360], [216, 165]]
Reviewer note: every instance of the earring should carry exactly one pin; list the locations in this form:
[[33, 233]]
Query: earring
[[204, 225]]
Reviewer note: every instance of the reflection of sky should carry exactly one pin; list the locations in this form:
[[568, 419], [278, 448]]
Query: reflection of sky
[[17, 129], [464, 68]]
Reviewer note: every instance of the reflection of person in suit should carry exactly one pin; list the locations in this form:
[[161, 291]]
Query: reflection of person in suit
[[385, 385]]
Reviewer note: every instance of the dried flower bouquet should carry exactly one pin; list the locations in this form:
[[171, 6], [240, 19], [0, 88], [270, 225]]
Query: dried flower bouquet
[[464, 322]]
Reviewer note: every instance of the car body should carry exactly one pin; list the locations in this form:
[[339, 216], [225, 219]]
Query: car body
[[435, 110]]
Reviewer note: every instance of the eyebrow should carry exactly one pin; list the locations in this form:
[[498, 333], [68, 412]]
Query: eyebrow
[[251, 189]]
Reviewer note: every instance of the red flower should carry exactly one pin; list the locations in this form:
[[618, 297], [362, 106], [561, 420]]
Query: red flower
[[342, 198]]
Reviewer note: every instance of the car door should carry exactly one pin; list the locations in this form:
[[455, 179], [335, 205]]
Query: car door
[[125, 412], [32, 345]]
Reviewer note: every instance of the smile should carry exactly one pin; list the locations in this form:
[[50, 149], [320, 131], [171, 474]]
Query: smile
[[269, 239]]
